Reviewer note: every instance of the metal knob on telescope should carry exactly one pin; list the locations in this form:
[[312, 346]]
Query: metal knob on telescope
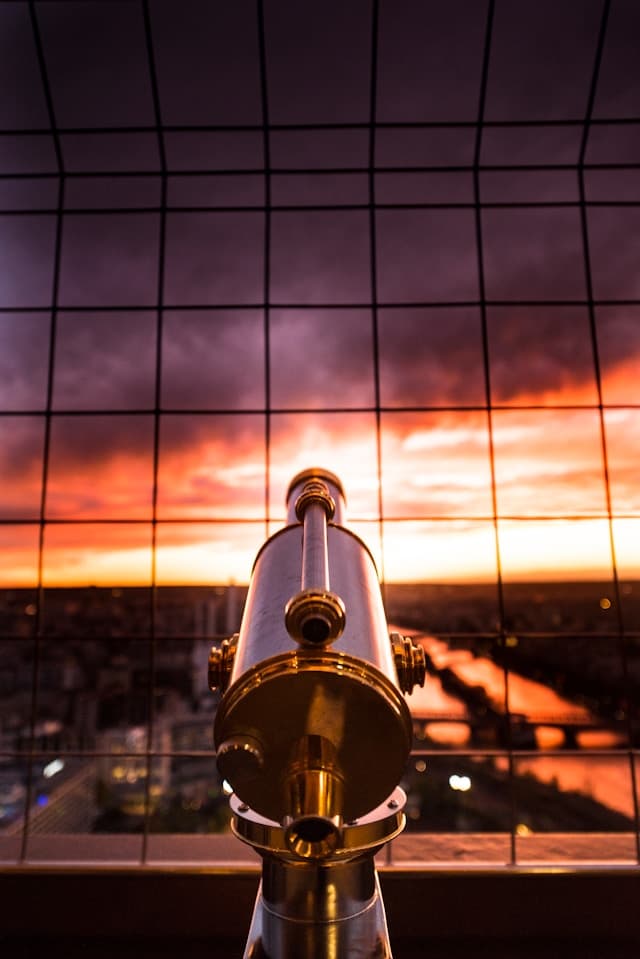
[[411, 664], [221, 663]]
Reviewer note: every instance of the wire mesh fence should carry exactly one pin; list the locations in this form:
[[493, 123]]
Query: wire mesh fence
[[395, 240]]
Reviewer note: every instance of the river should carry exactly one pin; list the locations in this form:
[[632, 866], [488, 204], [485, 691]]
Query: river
[[606, 778]]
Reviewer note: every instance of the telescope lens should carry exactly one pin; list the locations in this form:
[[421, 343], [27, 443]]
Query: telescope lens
[[313, 837], [315, 616], [315, 630]]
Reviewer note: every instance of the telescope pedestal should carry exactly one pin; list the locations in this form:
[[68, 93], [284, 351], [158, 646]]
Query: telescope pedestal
[[320, 908], [361, 934]]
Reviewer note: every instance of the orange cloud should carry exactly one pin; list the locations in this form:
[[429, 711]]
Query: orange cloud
[[437, 503]]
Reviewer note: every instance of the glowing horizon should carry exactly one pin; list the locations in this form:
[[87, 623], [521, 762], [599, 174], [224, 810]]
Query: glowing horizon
[[552, 521], [70, 560]]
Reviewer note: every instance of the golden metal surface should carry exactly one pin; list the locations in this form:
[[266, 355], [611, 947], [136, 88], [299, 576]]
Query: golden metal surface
[[241, 759], [318, 693], [276, 578], [221, 663], [313, 473], [359, 933], [315, 616], [369, 833], [315, 493], [410, 662], [314, 799]]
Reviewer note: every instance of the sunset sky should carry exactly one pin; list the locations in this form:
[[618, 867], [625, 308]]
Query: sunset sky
[[393, 400]]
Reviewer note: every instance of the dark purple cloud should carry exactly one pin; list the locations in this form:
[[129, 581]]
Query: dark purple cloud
[[24, 362], [207, 60], [214, 258], [318, 71], [95, 59], [21, 449], [19, 71], [26, 260], [426, 255], [109, 259], [105, 361], [431, 357], [538, 354], [321, 358], [429, 68], [542, 58], [213, 359]]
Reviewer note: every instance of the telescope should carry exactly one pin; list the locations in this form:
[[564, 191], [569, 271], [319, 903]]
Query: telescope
[[312, 732]]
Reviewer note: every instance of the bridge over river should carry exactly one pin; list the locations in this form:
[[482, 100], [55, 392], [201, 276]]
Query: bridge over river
[[467, 699]]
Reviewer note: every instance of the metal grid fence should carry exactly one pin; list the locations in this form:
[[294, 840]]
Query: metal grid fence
[[491, 227]]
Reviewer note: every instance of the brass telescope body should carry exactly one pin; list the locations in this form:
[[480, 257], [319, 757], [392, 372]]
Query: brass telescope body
[[313, 732]]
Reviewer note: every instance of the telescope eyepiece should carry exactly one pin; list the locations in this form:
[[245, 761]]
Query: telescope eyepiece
[[316, 631], [313, 837], [314, 797], [315, 617]]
